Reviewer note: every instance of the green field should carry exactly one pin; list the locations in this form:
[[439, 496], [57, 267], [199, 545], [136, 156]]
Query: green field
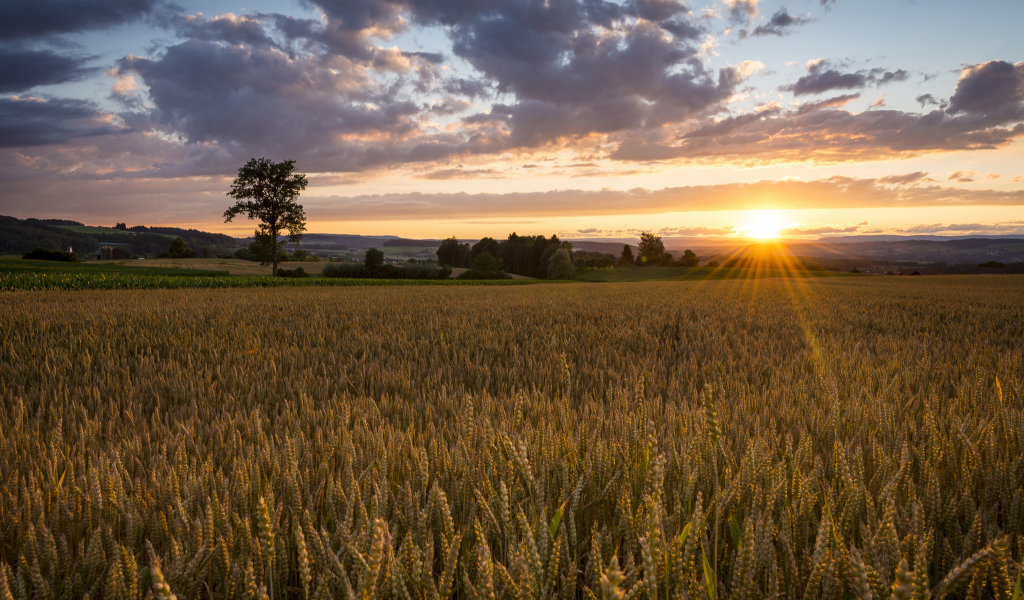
[[835, 438], [18, 266], [628, 274], [35, 275]]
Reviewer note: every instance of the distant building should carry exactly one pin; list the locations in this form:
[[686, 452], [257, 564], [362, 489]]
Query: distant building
[[108, 253]]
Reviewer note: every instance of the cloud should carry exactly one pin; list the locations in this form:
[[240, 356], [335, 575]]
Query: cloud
[[780, 24], [741, 11], [228, 28], [38, 18], [961, 176], [905, 179], [461, 173], [995, 88], [1009, 228], [22, 68], [826, 230], [696, 231], [570, 79], [829, 135], [993, 176], [821, 77], [835, 102], [835, 192], [603, 80], [262, 101], [28, 121], [926, 99], [323, 91]]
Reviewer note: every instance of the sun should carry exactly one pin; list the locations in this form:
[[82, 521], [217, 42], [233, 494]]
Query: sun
[[764, 225]]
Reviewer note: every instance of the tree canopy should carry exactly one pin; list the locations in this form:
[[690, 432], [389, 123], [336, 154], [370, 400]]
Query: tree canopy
[[267, 191], [627, 256], [373, 260], [453, 253], [179, 249], [560, 265]]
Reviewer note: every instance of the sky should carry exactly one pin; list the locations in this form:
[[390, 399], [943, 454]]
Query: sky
[[589, 119]]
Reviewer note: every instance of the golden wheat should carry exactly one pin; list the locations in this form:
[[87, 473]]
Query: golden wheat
[[745, 439]]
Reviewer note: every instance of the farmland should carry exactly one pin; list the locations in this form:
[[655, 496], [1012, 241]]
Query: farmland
[[33, 275], [630, 274], [836, 437]]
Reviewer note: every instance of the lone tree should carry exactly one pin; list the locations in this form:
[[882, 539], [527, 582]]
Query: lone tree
[[651, 248], [179, 249], [627, 256], [374, 260], [267, 190], [689, 259]]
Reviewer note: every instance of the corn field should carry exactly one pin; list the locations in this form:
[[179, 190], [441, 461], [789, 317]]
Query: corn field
[[827, 438]]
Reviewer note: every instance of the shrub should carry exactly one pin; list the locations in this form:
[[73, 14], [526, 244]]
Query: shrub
[[560, 266], [992, 265], [485, 261], [343, 269], [47, 254], [478, 275], [426, 269], [411, 269], [296, 273], [689, 259], [179, 249], [714, 264]]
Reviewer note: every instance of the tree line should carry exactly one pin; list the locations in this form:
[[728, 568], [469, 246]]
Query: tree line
[[550, 258], [527, 255]]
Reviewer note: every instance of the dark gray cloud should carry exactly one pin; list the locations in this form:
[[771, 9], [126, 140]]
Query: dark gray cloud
[[39, 18], [995, 88], [229, 28], [590, 74], [989, 114], [23, 68], [926, 99], [566, 79], [36, 121], [260, 99], [821, 77], [834, 102], [780, 24], [731, 124], [570, 80]]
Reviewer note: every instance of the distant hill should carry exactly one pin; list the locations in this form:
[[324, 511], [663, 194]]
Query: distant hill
[[859, 239], [18, 236], [949, 251], [328, 241]]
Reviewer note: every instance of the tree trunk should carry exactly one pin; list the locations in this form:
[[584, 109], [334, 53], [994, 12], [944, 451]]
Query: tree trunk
[[274, 251]]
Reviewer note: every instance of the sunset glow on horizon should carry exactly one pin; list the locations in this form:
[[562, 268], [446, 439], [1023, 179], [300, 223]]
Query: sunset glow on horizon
[[728, 119]]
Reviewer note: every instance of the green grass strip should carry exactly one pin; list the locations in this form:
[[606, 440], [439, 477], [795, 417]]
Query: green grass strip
[[11, 282]]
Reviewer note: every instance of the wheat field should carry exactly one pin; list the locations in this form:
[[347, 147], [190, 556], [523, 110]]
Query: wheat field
[[827, 438]]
